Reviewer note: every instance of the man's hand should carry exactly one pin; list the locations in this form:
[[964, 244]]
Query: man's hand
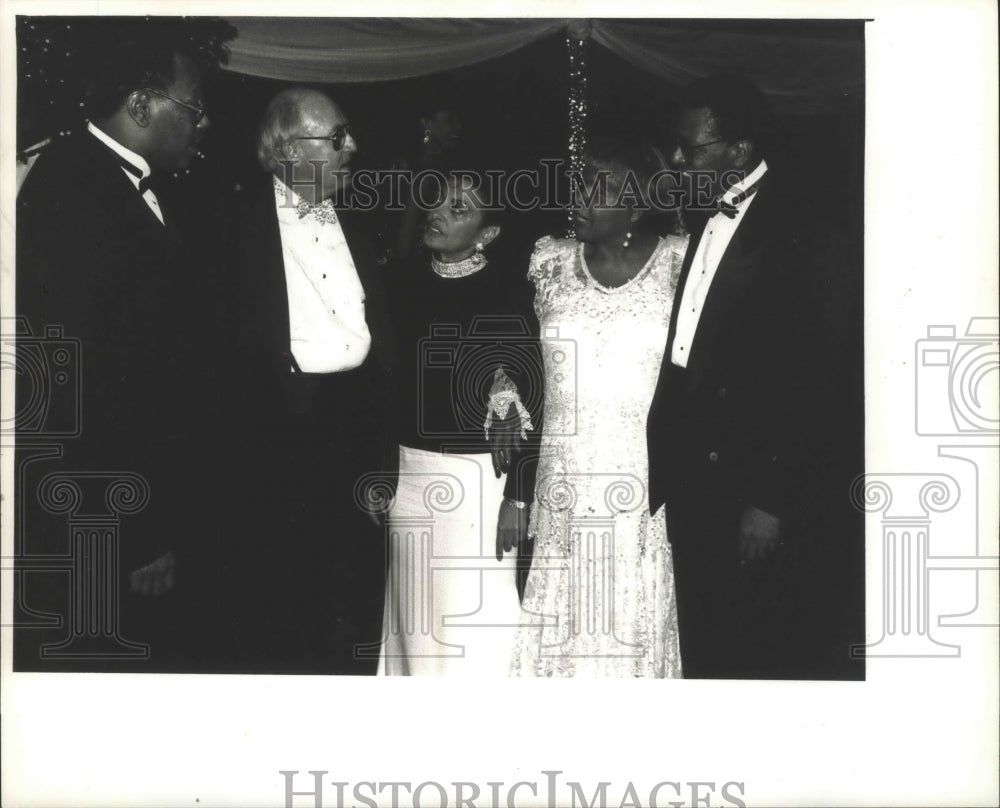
[[154, 579], [512, 527], [759, 533], [505, 440]]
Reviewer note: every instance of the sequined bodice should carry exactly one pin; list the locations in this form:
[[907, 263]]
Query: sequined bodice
[[609, 339]]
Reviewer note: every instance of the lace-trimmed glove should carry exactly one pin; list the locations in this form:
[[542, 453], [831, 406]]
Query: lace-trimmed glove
[[503, 441]]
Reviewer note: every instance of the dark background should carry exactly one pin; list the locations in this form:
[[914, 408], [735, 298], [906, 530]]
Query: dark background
[[514, 108], [514, 111]]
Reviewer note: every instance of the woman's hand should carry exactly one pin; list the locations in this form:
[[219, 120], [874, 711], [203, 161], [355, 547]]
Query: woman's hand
[[505, 439], [507, 422], [512, 526]]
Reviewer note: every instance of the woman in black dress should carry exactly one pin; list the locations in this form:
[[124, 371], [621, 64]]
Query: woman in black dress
[[465, 332]]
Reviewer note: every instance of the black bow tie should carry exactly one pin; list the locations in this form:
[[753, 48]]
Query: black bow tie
[[730, 209], [727, 209], [135, 171]]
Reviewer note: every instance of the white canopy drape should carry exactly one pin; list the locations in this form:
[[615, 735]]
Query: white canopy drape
[[344, 50], [799, 73]]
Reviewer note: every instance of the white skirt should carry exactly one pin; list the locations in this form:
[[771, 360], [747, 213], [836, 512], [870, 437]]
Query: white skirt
[[451, 609]]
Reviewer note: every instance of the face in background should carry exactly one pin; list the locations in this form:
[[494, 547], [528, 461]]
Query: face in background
[[444, 129], [320, 119], [174, 130], [699, 147], [455, 225], [597, 219]]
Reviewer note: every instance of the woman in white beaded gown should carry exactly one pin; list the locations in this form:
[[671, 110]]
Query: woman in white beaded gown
[[599, 599]]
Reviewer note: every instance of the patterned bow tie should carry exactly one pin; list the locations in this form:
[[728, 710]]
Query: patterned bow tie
[[324, 212]]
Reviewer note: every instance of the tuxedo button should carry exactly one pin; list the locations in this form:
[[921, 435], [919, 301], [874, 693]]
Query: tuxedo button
[[721, 392], [713, 456]]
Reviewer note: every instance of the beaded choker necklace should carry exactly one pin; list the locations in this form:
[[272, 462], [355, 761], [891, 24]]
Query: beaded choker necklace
[[458, 269]]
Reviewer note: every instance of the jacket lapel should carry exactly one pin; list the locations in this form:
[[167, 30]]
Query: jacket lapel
[[132, 210], [267, 259], [736, 274]]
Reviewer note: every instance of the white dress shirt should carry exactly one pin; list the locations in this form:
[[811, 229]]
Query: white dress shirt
[[138, 161], [326, 302], [719, 231]]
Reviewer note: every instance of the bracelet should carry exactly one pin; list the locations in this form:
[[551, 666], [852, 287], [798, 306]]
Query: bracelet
[[514, 503]]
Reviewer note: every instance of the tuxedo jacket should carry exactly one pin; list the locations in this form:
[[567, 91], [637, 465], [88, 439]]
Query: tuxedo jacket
[[98, 269], [264, 398], [727, 431]]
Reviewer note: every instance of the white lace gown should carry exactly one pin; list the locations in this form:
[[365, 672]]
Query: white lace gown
[[599, 599]]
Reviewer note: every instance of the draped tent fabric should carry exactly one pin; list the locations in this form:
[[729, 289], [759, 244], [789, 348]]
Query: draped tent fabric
[[344, 50], [801, 74]]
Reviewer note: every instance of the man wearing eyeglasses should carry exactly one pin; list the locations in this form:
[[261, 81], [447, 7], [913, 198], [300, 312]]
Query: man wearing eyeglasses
[[307, 370], [99, 257], [728, 422]]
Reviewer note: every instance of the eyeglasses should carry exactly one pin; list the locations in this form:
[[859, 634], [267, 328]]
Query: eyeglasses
[[688, 149], [337, 139], [199, 112]]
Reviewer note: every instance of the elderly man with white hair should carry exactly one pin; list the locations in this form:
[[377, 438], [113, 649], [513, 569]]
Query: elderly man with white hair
[[306, 381]]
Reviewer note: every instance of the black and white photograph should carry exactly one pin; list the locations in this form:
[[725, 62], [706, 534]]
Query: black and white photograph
[[357, 367]]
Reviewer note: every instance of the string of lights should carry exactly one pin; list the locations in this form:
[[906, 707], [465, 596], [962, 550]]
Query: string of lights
[[576, 47]]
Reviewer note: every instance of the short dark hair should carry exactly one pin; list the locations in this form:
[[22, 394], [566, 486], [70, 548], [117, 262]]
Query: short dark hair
[[738, 107], [121, 55], [438, 105]]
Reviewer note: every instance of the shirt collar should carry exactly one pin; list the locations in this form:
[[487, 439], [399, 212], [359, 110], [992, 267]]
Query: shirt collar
[[750, 179], [285, 194], [126, 154], [287, 201]]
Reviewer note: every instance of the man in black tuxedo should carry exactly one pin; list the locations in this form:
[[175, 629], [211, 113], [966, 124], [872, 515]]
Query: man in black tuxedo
[[728, 421], [308, 374], [99, 257]]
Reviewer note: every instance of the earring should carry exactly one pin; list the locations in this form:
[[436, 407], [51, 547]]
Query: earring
[[478, 259], [427, 136], [628, 237]]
